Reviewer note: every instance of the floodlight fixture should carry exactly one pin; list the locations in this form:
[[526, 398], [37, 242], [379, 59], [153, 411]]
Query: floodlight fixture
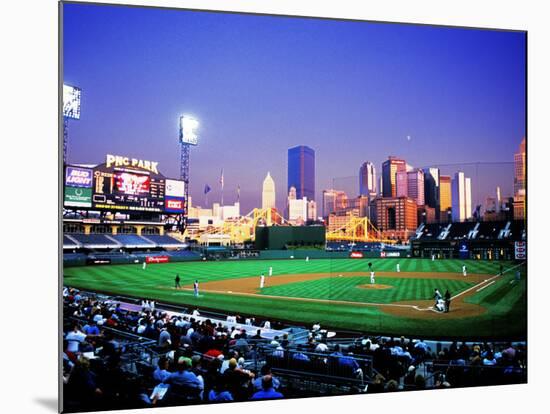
[[71, 101], [188, 130]]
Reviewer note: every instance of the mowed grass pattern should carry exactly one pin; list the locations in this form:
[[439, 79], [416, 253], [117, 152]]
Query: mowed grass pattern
[[505, 301], [348, 289]]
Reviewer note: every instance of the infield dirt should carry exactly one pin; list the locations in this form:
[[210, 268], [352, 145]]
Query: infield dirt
[[249, 286]]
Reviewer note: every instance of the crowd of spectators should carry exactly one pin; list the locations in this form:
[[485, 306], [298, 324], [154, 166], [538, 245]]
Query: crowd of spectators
[[197, 360]]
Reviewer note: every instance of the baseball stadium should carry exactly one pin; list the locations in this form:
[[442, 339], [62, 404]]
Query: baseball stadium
[[150, 284], [397, 278]]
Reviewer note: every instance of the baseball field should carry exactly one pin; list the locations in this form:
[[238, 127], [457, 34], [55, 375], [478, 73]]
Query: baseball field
[[338, 293]]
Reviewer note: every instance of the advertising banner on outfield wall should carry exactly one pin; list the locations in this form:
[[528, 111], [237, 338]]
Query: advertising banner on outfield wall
[[157, 259], [103, 261], [390, 254]]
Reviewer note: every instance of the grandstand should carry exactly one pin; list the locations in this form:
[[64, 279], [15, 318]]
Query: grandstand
[[232, 353], [477, 240], [95, 241], [133, 241]]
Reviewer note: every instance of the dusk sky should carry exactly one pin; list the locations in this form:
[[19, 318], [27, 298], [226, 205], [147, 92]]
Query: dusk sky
[[353, 91]]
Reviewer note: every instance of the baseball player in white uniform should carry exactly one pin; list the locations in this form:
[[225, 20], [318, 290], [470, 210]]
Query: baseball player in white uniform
[[262, 281], [144, 264], [270, 271], [372, 281], [464, 270], [398, 268]]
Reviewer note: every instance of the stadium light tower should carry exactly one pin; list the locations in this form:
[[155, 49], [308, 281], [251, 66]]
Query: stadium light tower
[[188, 137], [71, 110]]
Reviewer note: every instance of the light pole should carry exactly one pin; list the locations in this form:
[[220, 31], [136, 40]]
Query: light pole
[[188, 136], [71, 110]]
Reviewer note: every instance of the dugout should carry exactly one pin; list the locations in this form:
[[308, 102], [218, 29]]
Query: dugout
[[285, 237]]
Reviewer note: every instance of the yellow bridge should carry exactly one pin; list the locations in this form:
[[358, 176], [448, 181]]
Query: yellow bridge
[[242, 229]]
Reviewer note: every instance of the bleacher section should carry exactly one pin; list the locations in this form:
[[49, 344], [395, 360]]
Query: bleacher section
[[133, 241], [517, 230], [69, 243], [489, 240], [492, 230], [488, 230], [164, 240], [96, 241], [112, 241], [459, 231]]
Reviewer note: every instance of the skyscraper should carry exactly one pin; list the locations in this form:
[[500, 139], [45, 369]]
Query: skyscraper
[[519, 169], [396, 217], [268, 192], [410, 184], [461, 197], [367, 179], [311, 210], [431, 187], [297, 210], [301, 171], [390, 167], [444, 196], [333, 200]]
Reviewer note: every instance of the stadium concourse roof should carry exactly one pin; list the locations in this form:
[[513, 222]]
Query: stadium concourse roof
[[97, 220]]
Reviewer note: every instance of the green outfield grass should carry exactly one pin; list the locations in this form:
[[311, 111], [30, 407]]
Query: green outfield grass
[[347, 289], [505, 301]]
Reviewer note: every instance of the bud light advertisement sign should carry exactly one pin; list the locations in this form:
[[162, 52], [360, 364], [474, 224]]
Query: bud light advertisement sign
[[78, 177]]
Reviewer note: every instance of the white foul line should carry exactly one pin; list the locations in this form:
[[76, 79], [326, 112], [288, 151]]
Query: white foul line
[[485, 281], [488, 284], [475, 286]]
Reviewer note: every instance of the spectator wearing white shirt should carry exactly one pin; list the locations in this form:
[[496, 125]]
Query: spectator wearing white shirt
[[321, 347], [74, 339]]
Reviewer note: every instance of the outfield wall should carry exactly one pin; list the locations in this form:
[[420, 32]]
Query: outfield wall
[[71, 259], [277, 237], [302, 254], [324, 254]]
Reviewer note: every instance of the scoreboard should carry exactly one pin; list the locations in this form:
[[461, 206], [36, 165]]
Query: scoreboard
[[127, 186]]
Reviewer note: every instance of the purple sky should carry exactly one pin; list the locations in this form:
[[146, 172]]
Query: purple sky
[[353, 91]]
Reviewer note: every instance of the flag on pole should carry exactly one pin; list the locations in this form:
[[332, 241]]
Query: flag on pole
[[221, 184], [207, 189]]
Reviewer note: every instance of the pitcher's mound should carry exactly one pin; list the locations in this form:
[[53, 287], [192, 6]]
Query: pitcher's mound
[[375, 286]]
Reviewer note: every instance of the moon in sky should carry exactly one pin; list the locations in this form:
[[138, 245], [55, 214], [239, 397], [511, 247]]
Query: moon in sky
[[408, 137]]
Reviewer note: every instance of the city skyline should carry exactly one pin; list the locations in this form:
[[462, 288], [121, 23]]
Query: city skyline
[[434, 96]]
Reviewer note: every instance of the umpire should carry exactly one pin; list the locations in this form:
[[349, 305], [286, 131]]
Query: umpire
[[447, 298]]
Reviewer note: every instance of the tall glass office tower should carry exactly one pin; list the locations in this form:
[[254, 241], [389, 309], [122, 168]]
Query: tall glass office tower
[[301, 171]]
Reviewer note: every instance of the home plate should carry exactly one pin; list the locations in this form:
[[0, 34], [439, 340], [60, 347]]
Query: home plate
[[229, 291]]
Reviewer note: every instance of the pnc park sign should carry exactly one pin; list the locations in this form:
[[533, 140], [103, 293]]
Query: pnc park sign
[[120, 161]]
